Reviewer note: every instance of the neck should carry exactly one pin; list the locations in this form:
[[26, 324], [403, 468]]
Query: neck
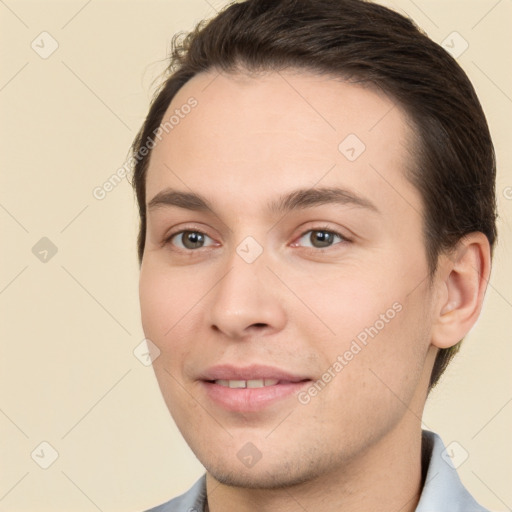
[[387, 477]]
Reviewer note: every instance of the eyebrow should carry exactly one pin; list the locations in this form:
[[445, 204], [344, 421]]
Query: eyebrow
[[297, 199]]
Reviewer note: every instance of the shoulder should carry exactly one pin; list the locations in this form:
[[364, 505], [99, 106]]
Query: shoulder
[[191, 501], [443, 490]]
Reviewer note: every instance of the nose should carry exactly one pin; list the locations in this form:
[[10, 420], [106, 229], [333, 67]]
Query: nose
[[246, 300]]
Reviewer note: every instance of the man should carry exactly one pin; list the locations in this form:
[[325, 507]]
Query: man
[[316, 190]]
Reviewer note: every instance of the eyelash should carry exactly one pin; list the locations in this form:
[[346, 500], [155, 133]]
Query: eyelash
[[326, 229]]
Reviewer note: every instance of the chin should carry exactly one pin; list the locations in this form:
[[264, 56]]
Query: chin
[[258, 481], [273, 476]]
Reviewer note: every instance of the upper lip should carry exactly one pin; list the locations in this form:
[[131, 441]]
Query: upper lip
[[252, 372]]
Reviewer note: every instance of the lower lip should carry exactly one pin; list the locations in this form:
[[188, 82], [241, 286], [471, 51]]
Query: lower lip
[[251, 399]]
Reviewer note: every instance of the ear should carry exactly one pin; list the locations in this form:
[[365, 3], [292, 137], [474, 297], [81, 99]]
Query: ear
[[462, 280]]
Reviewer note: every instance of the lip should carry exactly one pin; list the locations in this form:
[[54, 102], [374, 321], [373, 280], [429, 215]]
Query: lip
[[252, 372], [250, 399]]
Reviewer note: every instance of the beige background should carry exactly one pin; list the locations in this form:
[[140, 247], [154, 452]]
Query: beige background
[[70, 325]]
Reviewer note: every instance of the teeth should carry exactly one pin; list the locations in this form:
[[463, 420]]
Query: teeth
[[237, 384], [254, 383], [257, 383]]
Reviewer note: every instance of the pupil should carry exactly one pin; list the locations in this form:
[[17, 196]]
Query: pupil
[[192, 239], [321, 238]]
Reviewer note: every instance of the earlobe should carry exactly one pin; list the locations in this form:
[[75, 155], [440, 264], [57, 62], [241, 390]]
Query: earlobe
[[463, 279]]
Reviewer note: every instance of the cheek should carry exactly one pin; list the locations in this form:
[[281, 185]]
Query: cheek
[[154, 299], [170, 309], [346, 306], [167, 300], [372, 369], [375, 330], [167, 310]]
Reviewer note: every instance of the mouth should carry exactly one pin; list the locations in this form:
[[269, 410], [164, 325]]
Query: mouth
[[242, 384], [250, 389]]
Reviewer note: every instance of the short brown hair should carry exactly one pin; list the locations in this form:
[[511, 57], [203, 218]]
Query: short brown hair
[[455, 167]]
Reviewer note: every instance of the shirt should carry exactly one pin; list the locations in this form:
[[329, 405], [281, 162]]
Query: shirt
[[442, 491]]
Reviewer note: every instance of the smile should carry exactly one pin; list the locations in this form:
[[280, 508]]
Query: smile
[[253, 388]]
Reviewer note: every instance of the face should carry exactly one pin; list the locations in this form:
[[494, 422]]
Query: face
[[284, 278]]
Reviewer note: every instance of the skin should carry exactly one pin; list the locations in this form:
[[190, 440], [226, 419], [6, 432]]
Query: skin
[[297, 307]]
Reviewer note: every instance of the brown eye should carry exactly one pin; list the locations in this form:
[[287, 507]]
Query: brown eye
[[189, 239], [320, 238]]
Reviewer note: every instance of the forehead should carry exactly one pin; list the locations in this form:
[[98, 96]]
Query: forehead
[[278, 130]]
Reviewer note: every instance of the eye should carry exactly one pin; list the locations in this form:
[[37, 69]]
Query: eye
[[189, 240], [320, 238]]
